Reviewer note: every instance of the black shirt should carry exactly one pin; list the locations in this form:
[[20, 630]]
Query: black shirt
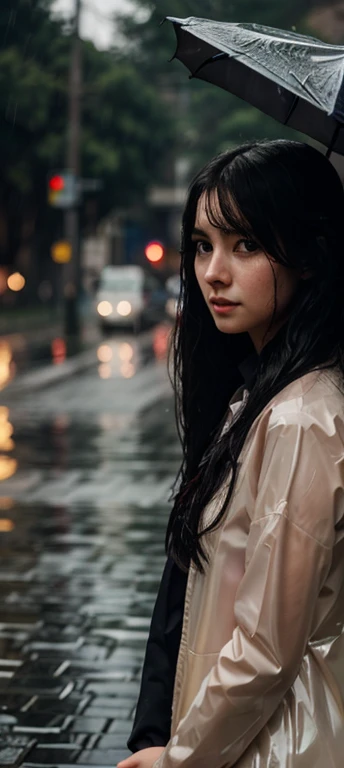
[[152, 722]]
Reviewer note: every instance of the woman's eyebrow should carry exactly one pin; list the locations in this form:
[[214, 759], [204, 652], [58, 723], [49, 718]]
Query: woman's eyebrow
[[199, 232]]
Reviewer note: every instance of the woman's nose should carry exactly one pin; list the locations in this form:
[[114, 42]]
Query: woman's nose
[[217, 270]]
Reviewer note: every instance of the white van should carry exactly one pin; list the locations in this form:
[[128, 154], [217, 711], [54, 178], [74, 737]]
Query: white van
[[124, 296]]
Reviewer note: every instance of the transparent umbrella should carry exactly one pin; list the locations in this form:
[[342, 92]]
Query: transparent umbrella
[[296, 79]]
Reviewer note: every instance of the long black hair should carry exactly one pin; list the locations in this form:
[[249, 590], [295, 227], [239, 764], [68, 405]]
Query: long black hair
[[287, 197]]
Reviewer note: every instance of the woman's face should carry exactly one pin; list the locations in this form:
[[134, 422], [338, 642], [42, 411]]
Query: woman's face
[[230, 268]]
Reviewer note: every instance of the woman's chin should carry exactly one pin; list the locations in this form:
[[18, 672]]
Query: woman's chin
[[228, 325]]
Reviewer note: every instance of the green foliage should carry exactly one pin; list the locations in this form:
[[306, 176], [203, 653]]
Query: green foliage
[[209, 119], [124, 128]]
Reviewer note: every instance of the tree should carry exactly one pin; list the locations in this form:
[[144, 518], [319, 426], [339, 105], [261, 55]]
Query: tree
[[209, 119], [125, 127], [124, 130]]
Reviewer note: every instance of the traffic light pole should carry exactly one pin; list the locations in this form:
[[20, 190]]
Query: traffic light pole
[[72, 276]]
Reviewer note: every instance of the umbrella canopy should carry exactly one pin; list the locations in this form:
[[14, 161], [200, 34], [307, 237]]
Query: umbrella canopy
[[296, 79]]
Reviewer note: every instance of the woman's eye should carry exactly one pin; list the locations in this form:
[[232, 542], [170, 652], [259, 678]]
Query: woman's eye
[[202, 246], [247, 246]]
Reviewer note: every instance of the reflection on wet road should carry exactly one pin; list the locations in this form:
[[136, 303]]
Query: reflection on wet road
[[20, 352], [86, 462], [7, 364]]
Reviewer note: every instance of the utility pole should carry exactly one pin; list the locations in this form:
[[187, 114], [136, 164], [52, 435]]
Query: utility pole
[[72, 277]]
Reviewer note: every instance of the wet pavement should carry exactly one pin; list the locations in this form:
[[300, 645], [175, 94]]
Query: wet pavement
[[30, 350], [87, 461]]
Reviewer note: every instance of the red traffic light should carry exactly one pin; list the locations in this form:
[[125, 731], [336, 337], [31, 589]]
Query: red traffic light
[[63, 189], [56, 183], [154, 251]]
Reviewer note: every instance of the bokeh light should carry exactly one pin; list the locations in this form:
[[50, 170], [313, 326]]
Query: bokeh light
[[104, 308], [127, 370], [7, 366], [104, 353], [160, 341], [58, 351], [105, 371], [6, 525], [6, 430], [8, 467], [125, 351], [124, 308], [16, 281], [154, 252]]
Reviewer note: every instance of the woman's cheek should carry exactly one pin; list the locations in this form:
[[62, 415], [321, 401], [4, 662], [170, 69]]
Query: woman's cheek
[[258, 286]]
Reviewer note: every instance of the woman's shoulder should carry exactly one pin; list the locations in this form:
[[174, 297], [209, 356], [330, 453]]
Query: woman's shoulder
[[314, 397]]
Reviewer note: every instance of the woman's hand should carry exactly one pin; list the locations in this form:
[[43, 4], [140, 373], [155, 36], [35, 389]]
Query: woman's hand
[[145, 758]]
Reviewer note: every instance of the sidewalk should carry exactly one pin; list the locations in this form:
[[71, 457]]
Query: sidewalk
[[78, 577], [30, 320], [38, 324]]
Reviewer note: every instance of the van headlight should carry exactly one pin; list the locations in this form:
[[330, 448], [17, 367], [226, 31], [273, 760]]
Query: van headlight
[[124, 308], [104, 308]]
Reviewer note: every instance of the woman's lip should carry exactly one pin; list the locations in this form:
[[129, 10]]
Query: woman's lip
[[223, 309], [223, 302]]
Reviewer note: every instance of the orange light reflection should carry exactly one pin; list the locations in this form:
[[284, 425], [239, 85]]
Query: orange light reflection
[[104, 353], [8, 467], [127, 370], [6, 430], [58, 351], [104, 371], [6, 525], [160, 341], [6, 503], [125, 351], [7, 366]]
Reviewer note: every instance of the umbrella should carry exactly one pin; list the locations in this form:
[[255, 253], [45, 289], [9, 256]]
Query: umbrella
[[296, 79]]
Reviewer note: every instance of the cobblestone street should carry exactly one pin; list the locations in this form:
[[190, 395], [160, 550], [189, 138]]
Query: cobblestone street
[[87, 465]]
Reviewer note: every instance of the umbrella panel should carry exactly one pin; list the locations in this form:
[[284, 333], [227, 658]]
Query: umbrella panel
[[275, 101], [261, 92]]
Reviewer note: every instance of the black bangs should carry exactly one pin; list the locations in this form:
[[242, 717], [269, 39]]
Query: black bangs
[[242, 199], [223, 212]]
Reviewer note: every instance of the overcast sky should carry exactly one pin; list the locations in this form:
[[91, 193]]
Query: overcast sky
[[96, 15]]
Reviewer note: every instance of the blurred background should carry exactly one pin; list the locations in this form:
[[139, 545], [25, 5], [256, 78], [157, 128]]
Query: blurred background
[[100, 136]]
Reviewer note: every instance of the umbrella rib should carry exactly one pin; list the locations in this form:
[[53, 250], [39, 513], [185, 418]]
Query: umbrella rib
[[304, 86], [210, 60], [238, 54], [291, 110]]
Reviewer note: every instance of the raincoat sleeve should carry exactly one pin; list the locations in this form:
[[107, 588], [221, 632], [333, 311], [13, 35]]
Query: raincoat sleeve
[[287, 560], [152, 724]]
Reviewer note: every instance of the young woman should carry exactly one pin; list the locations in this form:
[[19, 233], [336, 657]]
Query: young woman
[[257, 527]]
